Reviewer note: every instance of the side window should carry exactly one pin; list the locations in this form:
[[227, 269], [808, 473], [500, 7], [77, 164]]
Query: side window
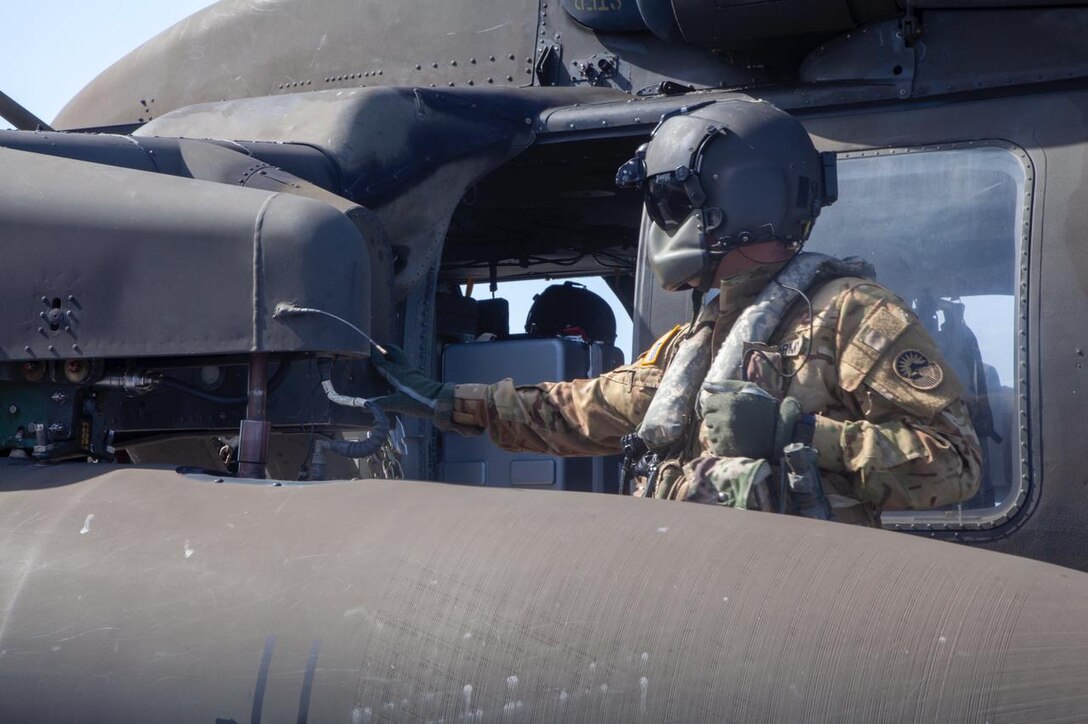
[[945, 229], [520, 295]]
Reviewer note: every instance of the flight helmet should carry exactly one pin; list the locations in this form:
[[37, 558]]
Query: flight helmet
[[569, 309], [721, 175]]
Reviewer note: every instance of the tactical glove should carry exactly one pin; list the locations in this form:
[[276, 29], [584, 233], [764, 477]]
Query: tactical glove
[[417, 394], [740, 420]]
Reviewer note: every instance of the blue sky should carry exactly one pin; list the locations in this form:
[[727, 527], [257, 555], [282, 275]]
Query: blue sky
[[50, 50]]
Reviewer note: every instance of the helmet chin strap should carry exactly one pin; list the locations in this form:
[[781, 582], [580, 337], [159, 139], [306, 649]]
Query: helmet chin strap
[[710, 273], [716, 253]]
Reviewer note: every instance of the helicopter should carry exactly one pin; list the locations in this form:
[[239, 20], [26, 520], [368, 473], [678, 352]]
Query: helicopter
[[204, 516]]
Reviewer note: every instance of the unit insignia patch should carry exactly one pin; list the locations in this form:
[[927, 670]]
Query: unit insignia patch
[[918, 370]]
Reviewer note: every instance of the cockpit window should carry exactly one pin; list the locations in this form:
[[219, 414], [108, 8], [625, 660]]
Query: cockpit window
[[945, 229]]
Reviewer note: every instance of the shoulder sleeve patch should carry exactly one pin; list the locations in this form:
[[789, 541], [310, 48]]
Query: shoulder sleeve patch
[[649, 357], [888, 350], [916, 379], [894, 356]]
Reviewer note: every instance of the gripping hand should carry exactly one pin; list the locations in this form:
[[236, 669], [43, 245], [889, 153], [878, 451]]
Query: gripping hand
[[417, 395], [741, 420]]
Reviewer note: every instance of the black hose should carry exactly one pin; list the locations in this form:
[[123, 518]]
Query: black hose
[[355, 449], [378, 435]]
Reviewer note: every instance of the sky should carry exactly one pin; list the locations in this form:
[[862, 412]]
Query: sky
[[50, 50]]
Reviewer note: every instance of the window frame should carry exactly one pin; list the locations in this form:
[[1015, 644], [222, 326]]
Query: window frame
[[961, 522]]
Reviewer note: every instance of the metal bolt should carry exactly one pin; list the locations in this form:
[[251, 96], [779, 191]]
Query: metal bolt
[[13, 409], [472, 60], [45, 300], [52, 348], [27, 349], [75, 347], [453, 63], [491, 58]]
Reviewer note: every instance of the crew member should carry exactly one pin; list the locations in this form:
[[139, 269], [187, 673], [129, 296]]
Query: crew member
[[786, 350]]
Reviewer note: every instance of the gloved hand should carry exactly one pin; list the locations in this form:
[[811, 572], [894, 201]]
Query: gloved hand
[[417, 394], [741, 420]]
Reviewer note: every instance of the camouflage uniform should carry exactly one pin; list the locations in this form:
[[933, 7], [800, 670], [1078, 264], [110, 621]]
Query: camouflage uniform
[[887, 439]]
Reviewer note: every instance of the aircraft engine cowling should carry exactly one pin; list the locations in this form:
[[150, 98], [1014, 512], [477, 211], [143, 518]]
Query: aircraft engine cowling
[[146, 254], [143, 303], [132, 594]]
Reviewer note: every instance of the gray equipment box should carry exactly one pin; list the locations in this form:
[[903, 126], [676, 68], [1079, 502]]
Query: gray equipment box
[[478, 461]]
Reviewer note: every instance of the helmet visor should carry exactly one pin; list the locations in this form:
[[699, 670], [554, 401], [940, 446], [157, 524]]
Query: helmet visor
[[667, 201]]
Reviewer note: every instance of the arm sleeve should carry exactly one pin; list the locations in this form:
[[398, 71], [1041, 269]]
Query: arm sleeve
[[580, 417], [914, 445]]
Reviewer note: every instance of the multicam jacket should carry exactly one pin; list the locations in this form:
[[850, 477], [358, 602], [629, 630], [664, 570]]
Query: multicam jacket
[[892, 430]]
